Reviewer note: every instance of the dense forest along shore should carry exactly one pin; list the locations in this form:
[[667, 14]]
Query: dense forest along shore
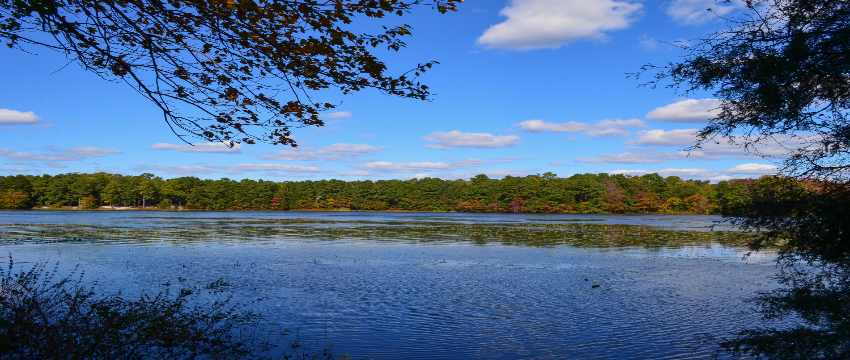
[[547, 193]]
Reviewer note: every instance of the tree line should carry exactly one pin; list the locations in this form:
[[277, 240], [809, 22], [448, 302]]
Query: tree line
[[546, 193]]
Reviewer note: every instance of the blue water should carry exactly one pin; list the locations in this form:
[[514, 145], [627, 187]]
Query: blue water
[[446, 300]]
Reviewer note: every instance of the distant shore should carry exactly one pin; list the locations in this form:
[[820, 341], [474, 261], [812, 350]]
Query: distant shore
[[153, 208]]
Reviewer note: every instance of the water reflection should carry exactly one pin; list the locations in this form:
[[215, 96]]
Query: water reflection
[[533, 232], [452, 286]]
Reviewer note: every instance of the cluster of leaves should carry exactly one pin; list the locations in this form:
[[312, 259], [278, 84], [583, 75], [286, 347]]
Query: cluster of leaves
[[581, 193], [49, 316], [782, 73], [14, 199], [227, 62]]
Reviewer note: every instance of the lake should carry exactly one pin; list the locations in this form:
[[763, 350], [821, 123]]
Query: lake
[[432, 285]]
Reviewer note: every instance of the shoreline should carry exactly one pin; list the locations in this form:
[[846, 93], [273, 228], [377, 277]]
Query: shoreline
[[132, 208]]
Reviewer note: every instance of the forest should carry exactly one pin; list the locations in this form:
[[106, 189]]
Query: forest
[[546, 193]]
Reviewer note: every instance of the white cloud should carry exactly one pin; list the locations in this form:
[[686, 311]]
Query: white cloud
[[625, 158], [340, 151], [601, 129], [509, 159], [270, 167], [355, 173], [54, 155], [659, 137], [695, 12], [13, 170], [337, 115], [14, 117], [493, 174], [176, 170], [384, 167], [686, 111], [539, 126], [613, 128], [200, 148], [90, 151], [417, 176], [296, 154], [715, 151], [694, 173], [455, 138], [349, 149], [371, 136], [752, 168], [774, 147], [536, 24], [648, 43]]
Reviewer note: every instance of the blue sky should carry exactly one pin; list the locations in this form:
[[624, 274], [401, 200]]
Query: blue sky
[[524, 87]]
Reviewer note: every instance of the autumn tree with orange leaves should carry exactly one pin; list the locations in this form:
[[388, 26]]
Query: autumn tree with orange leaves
[[226, 70]]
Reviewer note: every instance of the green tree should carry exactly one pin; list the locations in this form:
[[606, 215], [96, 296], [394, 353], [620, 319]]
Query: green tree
[[147, 187]]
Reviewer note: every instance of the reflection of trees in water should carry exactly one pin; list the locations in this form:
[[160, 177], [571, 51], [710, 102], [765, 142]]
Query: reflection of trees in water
[[315, 230], [817, 293], [614, 234]]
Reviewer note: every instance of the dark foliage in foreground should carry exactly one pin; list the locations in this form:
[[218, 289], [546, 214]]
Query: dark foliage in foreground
[[813, 223], [820, 295], [781, 70], [49, 316]]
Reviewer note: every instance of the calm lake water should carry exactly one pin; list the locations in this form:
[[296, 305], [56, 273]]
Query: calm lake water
[[432, 285]]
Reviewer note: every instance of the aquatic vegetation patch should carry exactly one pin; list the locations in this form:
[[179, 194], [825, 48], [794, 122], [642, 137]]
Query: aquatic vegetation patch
[[227, 231]]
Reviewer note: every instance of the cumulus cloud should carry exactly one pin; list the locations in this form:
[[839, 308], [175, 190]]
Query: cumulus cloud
[[539, 126], [599, 129], [271, 168], [14, 117], [450, 140], [218, 147], [348, 150], [695, 12], [340, 151], [536, 24], [753, 168], [175, 170], [13, 170], [695, 173], [659, 137], [648, 43], [613, 128], [509, 159], [626, 158], [53, 156], [383, 167], [297, 154], [86, 151], [416, 176], [493, 174], [337, 115], [686, 111], [355, 173], [775, 147], [268, 168]]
